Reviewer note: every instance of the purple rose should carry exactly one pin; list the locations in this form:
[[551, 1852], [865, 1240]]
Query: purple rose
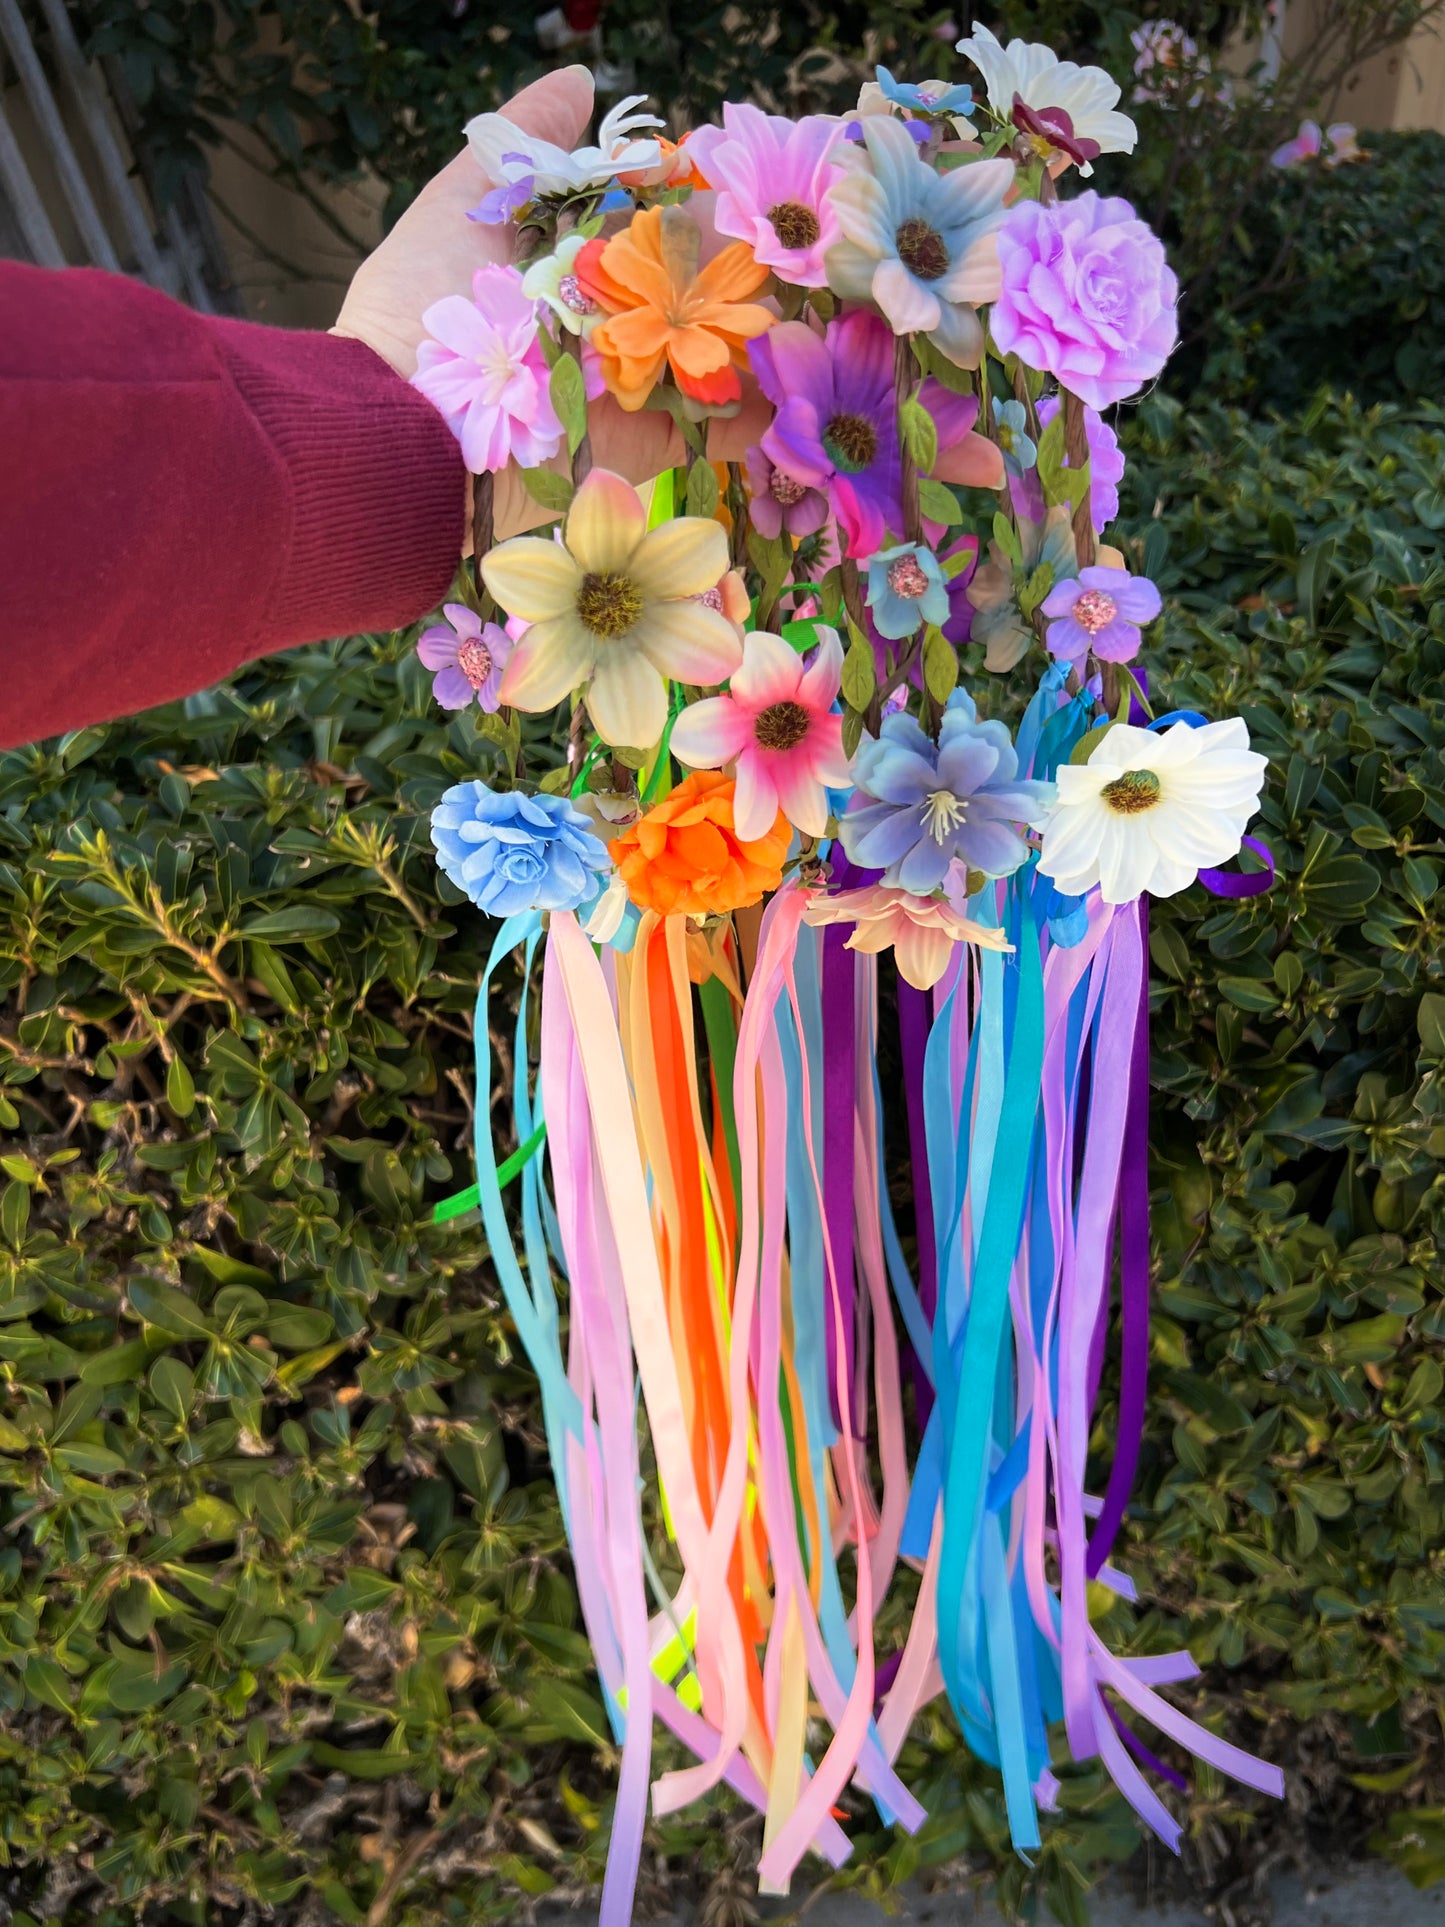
[[1087, 296]]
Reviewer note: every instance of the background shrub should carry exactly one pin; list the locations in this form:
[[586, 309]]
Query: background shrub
[[285, 1612]]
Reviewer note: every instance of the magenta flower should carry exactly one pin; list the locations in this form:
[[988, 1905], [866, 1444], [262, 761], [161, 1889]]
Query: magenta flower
[[1106, 470], [1101, 609], [772, 177], [836, 429], [776, 725], [466, 658], [1049, 131], [483, 368], [1087, 296], [777, 502]]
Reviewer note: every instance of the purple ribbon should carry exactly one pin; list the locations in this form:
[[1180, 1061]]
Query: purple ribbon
[[914, 1019], [1133, 1278], [839, 1089], [1238, 883]]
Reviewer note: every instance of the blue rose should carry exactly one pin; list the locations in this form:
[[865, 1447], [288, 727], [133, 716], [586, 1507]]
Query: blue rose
[[511, 852]]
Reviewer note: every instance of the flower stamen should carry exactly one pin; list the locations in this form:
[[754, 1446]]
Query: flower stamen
[[781, 725], [474, 659], [943, 812], [1094, 610], [796, 226], [851, 442], [907, 579], [785, 490], [572, 294], [609, 604], [1135, 790], [922, 249]]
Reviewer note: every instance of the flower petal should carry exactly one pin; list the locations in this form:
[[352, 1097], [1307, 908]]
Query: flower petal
[[552, 658], [771, 671], [684, 557], [710, 733], [627, 699], [533, 579], [605, 524], [688, 641]]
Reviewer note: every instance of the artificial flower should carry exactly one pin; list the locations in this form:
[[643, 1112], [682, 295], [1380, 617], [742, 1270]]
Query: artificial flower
[[729, 596], [1150, 808], [500, 146], [517, 184], [663, 310], [553, 278], [483, 367], [776, 726], [920, 931], [777, 501], [773, 177], [615, 606], [1035, 75], [917, 242], [905, 590], [611, 917], [836, 427], [466, 657], [998, 621], [1087, 296], [1010, 429], [927, 96], [686, 857], [920, 806], [1047, 134], [1100, 612], [1106, 469], [510, 852]]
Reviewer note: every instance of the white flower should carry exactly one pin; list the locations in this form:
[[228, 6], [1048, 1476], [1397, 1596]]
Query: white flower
[[604, 920], [498, 144], [553, 279], [1147, 811], [1035, 75]]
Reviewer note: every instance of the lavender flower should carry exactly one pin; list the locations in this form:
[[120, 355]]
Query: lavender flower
[[1100, 611], [465, 658]]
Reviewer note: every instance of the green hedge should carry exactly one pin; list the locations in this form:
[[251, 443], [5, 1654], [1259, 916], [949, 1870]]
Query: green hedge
[[284, 1604]]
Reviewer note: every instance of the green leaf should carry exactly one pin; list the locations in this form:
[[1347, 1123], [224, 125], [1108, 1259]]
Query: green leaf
[[569, 400], [1342, 886], [169, 1310], [300, 921], [15, 1213], [860, 672], [1089, 742], [1430, 1017], [940, 665], [180, 1087], [565, 1711], [702, 490], [1032, 592], [939, 503], [547, 488], [1007, 538], [920, 434]]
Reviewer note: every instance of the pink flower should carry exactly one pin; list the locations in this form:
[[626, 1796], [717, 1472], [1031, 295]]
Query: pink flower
[[466, 659], [484, 370], [776, 501], [775, 723], [773, 177], [920, 931], [1304, 146]]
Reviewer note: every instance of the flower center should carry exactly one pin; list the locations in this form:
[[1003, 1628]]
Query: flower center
[[922, 249], [851, 442], [796, 226], [907, 579], [781, 725], [571, 294], [1135, 790], [1094, 610], [712, 599], [609, 604], [784, 489], [474, 659], [942, 814]]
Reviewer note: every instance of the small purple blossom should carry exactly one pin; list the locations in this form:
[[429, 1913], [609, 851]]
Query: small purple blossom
[[1106, 470], [465, 657], [777, 501], [517, 188], [1100, 610], [1087, 295]]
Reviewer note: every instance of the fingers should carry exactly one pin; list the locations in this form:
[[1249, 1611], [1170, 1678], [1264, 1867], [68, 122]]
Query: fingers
[[555, 108]]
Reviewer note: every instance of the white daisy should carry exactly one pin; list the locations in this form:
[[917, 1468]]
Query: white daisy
[[1035, 75], [1148, 811], [499, 145]]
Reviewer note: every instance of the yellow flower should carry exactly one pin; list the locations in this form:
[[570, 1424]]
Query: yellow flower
[[615, 606]]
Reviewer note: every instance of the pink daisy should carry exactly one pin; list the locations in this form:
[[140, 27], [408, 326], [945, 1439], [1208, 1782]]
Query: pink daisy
[[772, 177], [484, 370], [776, 725]]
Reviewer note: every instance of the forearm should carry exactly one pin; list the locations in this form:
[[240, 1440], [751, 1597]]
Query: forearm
[[182, 494]]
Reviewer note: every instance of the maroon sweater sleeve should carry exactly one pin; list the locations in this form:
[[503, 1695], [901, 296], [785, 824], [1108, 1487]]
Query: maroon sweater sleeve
[[180, 494]]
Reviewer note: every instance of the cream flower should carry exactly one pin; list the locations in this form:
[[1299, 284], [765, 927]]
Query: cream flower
[[920, 931], [553, 279], [614, 606], [1035, 75], [1148, 811]]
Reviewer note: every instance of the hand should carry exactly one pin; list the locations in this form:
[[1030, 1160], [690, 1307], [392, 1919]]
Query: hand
[[434, 250]]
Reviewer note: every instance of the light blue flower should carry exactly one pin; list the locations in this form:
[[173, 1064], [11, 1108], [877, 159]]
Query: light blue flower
[[931, 97], [906, 589], [1011, 433], [510, 852], [920, 805]]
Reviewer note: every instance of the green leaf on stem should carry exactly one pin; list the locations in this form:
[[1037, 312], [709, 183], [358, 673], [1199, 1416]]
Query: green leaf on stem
[[940, 664], [569, 400], [549, 489], [860, 671]]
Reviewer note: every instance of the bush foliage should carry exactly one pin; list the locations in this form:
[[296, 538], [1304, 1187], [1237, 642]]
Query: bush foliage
[[285, 1614]]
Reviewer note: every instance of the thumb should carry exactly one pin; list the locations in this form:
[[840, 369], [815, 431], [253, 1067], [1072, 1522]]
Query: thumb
[[555, 108]]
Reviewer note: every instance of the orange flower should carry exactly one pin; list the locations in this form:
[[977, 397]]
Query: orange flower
[[685, 856], [662, 308]]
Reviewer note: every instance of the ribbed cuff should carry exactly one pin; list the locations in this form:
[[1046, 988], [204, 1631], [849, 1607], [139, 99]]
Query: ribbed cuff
[[377, 485]]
